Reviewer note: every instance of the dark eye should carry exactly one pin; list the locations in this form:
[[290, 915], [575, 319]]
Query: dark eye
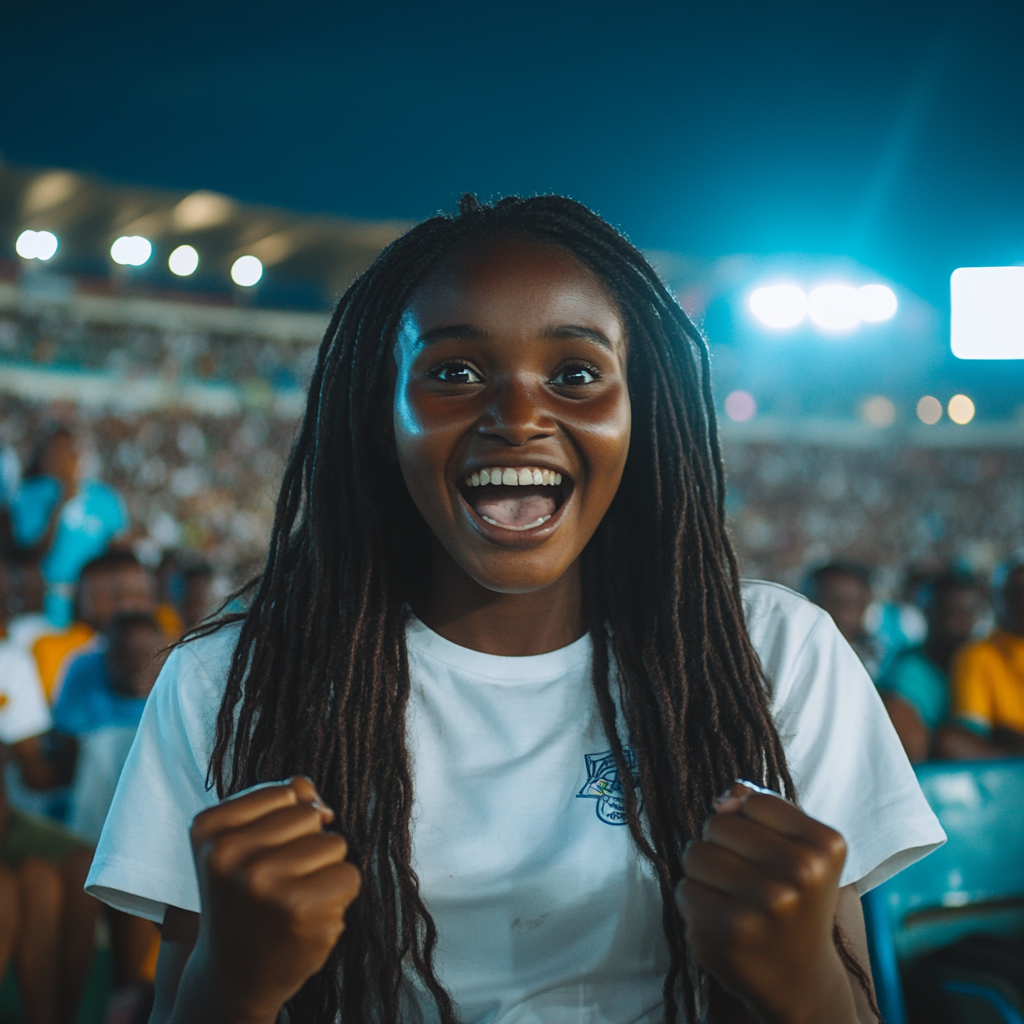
[[575, 376], [456, 373]]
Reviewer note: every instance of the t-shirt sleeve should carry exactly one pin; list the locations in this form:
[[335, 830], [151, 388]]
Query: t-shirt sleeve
[[143, 861], [848, 764], [972, 685], [23, 709]]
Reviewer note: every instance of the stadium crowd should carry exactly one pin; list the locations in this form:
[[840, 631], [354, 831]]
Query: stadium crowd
[[119, 532]]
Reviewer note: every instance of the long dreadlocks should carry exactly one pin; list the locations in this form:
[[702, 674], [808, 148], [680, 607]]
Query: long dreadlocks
[[319, 680]]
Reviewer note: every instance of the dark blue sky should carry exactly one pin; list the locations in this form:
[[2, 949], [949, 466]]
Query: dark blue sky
[[892, 133]]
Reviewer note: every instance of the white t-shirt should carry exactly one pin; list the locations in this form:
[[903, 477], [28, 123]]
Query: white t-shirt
[[546, 913], [23, 710]]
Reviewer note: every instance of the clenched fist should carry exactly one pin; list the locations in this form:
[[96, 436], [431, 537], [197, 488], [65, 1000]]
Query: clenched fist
[[274, 889], [759, 901]]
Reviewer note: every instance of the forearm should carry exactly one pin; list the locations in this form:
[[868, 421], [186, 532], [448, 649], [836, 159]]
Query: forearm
[[205, 996]]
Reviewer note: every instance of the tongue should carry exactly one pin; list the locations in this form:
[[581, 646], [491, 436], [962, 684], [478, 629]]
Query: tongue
[[513, 506]]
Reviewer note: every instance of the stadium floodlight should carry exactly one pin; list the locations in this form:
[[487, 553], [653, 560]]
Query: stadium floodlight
[[779, 305], [36, 245], [131, 250], [740, 406], [875, 303], [834, 306], [183, 261], [929, 410], [246, 271], [960, 409], [987, 313]]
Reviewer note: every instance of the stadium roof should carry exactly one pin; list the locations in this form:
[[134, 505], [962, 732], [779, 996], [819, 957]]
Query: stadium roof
[[309, 259]]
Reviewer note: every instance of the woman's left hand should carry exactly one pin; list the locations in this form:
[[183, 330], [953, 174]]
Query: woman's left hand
[[759, 902]]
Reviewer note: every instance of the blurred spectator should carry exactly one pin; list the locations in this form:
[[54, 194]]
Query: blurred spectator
[[100, 705], [110, 585], [170, 589], [25, 604], [844, 591], [915, 686], [197, 597], [64, 520], [47, 923], [988, 683], [184, 584]]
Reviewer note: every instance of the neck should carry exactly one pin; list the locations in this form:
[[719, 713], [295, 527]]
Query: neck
[[512, 625], [941, 651]]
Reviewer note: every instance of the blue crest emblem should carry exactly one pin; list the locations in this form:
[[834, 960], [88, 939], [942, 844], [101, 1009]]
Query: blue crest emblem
[[604, 786]]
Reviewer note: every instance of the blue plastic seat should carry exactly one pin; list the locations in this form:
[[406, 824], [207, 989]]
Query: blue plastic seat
[[975, 883]]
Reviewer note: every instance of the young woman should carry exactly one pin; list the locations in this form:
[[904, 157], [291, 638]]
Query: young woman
[[502, 658]]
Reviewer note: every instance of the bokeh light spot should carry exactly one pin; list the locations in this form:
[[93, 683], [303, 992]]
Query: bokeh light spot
[[779, 305], [740, 406], [36, 245], [183, 261], [876, 302], [246, 271], [929, 410], [879, 411], [834, 306], [960, 409], [131, 250]]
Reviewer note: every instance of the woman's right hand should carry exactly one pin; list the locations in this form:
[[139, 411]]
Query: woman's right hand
[[274, 889]]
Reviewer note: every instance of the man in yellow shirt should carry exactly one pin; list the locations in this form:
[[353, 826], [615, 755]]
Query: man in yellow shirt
[[988, 685]]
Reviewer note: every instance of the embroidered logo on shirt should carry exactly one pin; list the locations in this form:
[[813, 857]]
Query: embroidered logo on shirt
[[603, 785]]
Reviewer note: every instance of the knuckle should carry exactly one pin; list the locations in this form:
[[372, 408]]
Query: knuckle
[[780, 900], [810, 869]]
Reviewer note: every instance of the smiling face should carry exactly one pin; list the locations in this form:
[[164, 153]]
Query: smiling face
[[511, 367]]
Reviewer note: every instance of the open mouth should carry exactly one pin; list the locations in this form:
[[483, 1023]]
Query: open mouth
[[517, 499]]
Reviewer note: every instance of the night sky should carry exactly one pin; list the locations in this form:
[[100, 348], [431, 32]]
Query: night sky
[[889, 133]]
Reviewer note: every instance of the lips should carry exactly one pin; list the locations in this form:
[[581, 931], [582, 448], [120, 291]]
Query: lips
[[516, 499]]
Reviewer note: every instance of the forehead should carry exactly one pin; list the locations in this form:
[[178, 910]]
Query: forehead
[[513, 286]]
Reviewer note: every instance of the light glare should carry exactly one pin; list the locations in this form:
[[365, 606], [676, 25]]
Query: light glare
[[879, 411], [246, 271], [834, 306], [131, 250], [960, 409], [987, 313], [740, 406], [779, 305], [183, 261], [929, 410], [36, 245], [876, 302]]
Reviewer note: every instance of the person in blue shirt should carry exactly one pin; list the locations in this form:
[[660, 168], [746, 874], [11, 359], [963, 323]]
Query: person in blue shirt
[[915, 686], [64, 520], [100, 705]]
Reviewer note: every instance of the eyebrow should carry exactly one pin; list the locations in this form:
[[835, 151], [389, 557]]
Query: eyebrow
[[467, 332]]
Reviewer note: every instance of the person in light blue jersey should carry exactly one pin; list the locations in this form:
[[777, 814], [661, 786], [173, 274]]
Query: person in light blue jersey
[[915, 686], [64, 520]]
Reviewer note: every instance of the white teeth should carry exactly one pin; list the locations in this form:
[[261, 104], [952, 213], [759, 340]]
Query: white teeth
[[517, 529], [514, 477]]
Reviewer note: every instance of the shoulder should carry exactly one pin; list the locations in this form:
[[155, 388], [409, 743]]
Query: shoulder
[[781, 624], [16, 665], [37, 488], [977, 655], [195, 674]]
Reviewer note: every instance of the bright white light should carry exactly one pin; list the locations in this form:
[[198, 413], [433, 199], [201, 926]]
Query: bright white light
[[961, 409], [834, 306], [779, 305], [875, 303], [246, 271], [183, 261], [929, 410], [131, 250], [988, 313], [879, 411], [740, 406], [36, 245]]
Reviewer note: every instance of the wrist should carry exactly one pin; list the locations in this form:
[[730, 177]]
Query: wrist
[[207, 994], [826, 999]]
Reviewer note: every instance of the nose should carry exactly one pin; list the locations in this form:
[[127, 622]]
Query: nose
[[516, 413]]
